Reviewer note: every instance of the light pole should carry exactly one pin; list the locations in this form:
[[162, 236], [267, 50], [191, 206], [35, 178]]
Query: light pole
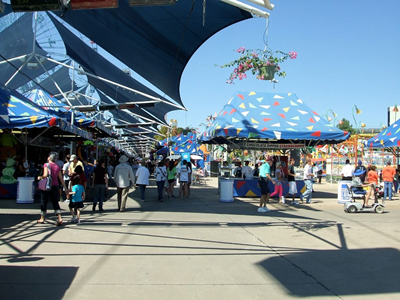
[[357, 112], [274, 81]]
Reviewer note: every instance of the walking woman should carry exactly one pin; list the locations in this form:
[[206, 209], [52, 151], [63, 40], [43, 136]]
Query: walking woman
[[53, 170], [171, 171], [278, 183]]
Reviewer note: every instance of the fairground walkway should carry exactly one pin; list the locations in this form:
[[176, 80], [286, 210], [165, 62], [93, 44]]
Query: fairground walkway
[[202, 249]]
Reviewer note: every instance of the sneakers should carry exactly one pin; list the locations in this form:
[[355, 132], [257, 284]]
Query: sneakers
[[262, 209], [295, 203], [283, 199], [73, 220]]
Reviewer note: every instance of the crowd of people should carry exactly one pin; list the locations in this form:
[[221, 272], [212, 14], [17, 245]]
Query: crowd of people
[[73, 180]]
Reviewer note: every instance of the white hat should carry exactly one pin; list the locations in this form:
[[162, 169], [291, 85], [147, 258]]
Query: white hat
[[73, 156], [123, 159]]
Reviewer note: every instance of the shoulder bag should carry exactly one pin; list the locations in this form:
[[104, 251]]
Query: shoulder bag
[[45, 183]]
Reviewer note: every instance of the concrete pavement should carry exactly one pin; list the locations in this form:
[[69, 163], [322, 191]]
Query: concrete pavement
[[202, 249]]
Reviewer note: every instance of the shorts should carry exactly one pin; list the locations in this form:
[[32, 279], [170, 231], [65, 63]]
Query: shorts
[[76, 205], [171, 180], [183, 182], [263, 181], [292, 187]]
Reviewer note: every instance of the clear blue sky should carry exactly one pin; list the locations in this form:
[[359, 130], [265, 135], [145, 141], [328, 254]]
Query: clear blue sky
[[348, 54]]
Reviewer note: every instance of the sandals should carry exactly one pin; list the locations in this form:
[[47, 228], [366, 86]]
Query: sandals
[[59, 223], [40, 222]]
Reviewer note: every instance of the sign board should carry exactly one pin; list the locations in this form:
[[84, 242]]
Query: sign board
[[262, 146]]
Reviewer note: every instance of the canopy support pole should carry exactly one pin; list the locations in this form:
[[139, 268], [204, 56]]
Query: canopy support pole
[[36, 137]]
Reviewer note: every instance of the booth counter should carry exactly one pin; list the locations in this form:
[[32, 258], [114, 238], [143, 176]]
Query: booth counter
[[251, 188]]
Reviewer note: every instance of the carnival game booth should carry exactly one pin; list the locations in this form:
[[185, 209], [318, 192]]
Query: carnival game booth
[[24, 122], [269, 121], [388, 138]]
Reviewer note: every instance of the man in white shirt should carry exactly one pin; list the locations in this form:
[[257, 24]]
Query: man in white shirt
[[247, 171], [123, 177], [308, 181], [347, 171], [142, 179], [65, 172]]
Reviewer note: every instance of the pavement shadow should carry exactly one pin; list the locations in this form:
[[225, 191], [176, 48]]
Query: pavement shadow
[[27, 282], [337, 272]]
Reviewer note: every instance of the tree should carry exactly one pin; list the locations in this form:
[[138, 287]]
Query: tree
[[173, 130], [345, 125]]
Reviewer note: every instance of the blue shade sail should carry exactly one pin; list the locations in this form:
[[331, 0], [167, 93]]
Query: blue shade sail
[[15, 41], [156, 41], [94, 63]]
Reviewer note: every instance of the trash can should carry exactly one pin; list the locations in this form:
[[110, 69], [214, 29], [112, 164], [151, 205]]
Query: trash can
[[343, 191], [226, 193], [25, 189]]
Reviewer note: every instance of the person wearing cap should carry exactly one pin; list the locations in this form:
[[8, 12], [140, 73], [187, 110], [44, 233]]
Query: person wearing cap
[[388, 174], [357, 186], [123, 177], [347, 171], [362, 168], [74, 162], [308, 178], [247, 171], [263, 181]]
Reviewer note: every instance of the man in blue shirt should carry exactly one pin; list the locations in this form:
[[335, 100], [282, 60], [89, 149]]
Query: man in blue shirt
[[265, 177]]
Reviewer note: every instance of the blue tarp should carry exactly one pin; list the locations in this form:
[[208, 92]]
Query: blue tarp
[[18, 112], [389, 137], [271, 118], [54, 106]]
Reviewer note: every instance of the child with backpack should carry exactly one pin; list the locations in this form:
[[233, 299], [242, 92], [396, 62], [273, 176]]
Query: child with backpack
[[76, 204]]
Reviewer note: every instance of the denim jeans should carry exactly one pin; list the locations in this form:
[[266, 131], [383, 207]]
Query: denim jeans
[[388, 187], [308, 193], [99, 194], [142, 188], [160, 189]]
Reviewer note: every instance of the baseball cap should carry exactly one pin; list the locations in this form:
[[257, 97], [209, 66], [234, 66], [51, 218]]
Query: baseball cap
[[73, 156], [359, 172]]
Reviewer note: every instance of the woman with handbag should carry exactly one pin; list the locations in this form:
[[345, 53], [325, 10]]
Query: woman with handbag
[[49, 184]]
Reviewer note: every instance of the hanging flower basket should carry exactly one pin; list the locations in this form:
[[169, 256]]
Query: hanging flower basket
[[262, 63], [267, 72]]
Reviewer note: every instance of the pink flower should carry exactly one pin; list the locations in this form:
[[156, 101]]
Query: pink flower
[[292, 55], [241, 50]]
